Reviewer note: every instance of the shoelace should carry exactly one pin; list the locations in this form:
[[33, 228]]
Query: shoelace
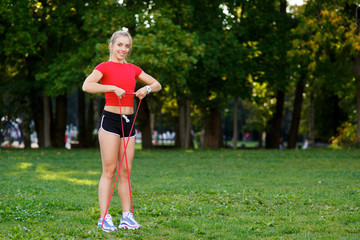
[[131, 217], [109, 221]]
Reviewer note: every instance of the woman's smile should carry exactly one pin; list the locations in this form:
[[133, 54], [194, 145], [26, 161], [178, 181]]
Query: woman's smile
[[121, 48]]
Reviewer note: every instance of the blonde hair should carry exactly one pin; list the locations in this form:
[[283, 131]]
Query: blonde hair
[[117, 34]]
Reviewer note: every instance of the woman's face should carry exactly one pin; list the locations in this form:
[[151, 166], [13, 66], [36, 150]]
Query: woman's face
[[120, 48]]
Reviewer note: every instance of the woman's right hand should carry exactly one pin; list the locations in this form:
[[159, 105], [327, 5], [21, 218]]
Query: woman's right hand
[[119, 92]]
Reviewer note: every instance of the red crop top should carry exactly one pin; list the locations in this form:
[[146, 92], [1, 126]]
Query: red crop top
[[121, 75]]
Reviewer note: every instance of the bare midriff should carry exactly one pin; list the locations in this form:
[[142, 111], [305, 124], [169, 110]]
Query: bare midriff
[[116, 109]]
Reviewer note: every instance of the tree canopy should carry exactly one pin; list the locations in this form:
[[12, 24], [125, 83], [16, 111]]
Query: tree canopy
[[204, 53]]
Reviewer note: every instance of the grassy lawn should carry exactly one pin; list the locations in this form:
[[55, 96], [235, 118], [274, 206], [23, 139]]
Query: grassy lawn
[[178, 194]]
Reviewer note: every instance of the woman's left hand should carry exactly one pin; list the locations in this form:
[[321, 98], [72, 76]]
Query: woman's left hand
[[148, 81], [141, 93]]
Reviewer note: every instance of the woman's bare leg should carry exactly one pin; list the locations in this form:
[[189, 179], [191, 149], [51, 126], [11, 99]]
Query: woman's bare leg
[[123, 188], [109, 147]]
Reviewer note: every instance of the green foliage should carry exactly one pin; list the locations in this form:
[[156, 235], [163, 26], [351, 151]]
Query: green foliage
[[259, 106], [64, 55], [323, 50], [166, 51], [224, 194], [346, 137], [18, 44], [62, 76], [320, 51], [203, 51]]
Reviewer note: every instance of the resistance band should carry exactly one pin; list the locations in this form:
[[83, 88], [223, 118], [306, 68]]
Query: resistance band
[[124, 155]]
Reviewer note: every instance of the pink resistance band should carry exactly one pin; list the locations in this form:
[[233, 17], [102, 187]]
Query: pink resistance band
[[124, 155]]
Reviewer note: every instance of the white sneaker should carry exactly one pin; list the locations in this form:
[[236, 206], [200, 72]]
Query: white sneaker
[[108, 225], [128, 222]]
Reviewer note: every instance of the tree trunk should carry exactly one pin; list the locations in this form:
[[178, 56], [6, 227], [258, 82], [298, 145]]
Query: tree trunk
[[235, 126], [180, 140], [358, 111], [356, 68], [260, 140], [312, 121], [213, 133], [184, 138], [189, 136], [90, 123], [81, 118], [296, 114], [60, 121], [47, 121], [152, 121], [273, 130], [25, 124], [144, 125]]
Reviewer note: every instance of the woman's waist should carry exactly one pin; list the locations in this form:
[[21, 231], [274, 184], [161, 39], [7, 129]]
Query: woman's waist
[[114, 100], [116, 109]]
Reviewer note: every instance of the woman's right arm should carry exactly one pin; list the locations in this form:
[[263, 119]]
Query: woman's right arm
[[92, 85]]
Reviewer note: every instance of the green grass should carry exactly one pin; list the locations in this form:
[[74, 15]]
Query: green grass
[[178, 194]]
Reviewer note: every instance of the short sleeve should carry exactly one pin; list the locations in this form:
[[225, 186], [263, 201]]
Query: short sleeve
[[101, 67], [137, 70]]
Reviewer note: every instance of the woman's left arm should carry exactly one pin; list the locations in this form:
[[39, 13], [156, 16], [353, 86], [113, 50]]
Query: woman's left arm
[[151, 82]]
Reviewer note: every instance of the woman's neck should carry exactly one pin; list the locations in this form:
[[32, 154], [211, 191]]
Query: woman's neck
[[116, 60]]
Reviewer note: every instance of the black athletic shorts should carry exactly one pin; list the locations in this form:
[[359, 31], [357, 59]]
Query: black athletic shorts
[[111, 122]]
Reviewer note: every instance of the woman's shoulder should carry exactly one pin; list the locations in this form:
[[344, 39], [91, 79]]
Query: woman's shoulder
[[103, 67], [131, 64], [137, 70], [103, 64]]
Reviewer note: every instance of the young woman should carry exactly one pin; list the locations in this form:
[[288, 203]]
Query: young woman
[[117, 78]]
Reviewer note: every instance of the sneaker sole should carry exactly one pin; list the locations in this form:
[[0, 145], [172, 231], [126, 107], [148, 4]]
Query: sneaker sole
[[127, 227], [107, 230]]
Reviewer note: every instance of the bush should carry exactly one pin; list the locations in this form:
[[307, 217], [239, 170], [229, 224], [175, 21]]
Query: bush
[[346, 137]]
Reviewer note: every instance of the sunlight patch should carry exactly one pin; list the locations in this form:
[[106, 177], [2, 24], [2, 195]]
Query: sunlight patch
[[81, 181], [24, 165], [93, 172], [60, 176]]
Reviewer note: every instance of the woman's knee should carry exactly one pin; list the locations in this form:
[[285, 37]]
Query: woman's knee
[[125, 170], [109, 172]]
